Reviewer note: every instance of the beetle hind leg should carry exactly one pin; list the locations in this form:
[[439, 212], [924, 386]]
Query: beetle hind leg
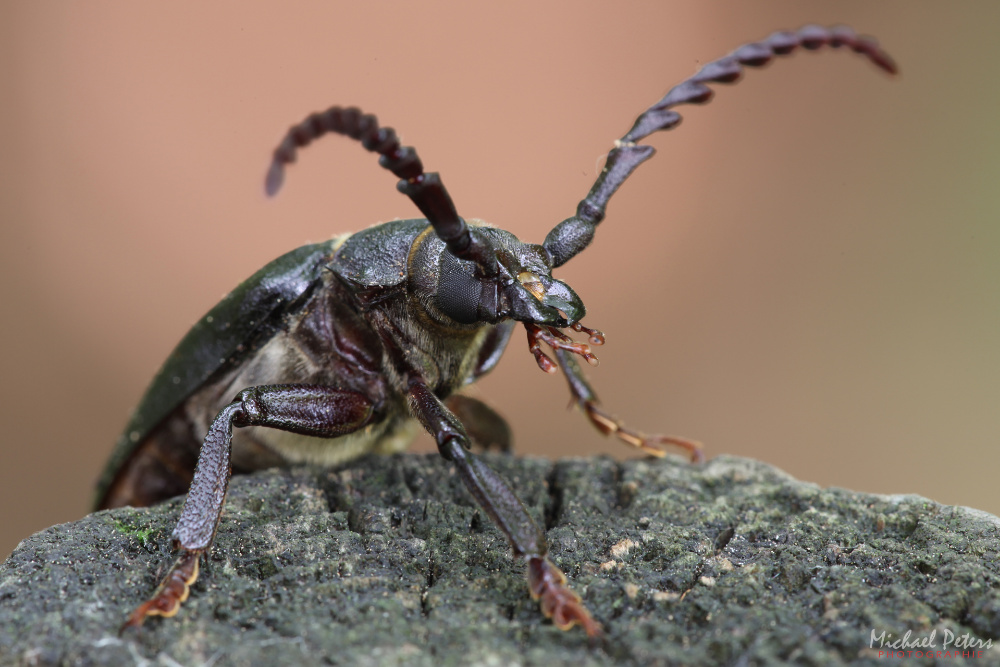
[[305, 409], [585, 397]]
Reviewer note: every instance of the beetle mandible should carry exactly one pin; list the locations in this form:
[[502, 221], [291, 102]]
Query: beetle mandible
[[342, 348]]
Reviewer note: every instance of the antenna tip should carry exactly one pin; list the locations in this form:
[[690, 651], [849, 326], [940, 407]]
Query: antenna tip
[[275, 177]]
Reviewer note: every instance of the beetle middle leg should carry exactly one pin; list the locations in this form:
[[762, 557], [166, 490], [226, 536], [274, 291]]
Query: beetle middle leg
[[314, 410], [546, 582], [605, 423]]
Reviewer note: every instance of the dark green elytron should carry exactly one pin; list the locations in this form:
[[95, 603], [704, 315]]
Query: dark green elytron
[[347, 347]]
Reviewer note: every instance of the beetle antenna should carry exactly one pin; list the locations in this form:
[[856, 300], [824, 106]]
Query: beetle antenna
[[425, 189], [574, 234]]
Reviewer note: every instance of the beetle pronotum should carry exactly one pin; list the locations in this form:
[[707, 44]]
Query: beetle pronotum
[[356, 340]]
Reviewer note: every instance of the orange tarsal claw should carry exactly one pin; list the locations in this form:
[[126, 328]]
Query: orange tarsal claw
[[547, 584], [172, 591], [551, 336]]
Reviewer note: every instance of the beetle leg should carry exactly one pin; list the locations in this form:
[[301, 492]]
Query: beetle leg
[[607, 424], [545, 581], [307, 409], [486, 428]]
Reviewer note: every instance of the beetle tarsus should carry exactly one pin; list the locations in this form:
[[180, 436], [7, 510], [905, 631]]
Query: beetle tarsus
[[172, 591], [547, 584], [650, 444], [584, 396]]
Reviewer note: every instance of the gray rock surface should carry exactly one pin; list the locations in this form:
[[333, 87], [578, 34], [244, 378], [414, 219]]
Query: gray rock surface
[[389, 562]]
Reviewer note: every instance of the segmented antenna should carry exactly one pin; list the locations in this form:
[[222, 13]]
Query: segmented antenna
[[425, 189], [574, 234]]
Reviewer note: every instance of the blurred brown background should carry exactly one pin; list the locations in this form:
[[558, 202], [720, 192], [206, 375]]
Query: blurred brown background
[[807, 273]]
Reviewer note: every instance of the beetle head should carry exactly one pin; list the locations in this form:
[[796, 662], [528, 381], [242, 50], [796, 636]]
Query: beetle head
[[520, 286]]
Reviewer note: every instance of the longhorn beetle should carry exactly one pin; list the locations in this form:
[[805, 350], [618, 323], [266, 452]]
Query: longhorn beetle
[[358, 339]]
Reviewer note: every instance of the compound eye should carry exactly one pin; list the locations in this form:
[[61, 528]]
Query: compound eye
[[532, 283], [459, 291]]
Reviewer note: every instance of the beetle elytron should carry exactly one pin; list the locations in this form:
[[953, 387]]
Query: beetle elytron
[[340, 348]]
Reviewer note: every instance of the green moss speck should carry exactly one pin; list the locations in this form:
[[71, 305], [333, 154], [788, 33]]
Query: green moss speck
[[142, 534]]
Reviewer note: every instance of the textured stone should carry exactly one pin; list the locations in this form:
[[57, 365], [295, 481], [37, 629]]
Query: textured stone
[[390, 562]]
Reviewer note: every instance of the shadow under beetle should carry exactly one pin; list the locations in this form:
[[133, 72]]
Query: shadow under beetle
[[340, 348]]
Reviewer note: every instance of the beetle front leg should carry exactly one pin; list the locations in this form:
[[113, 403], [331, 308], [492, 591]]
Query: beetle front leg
[[306, 409], [546, 582], [608, 425]]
